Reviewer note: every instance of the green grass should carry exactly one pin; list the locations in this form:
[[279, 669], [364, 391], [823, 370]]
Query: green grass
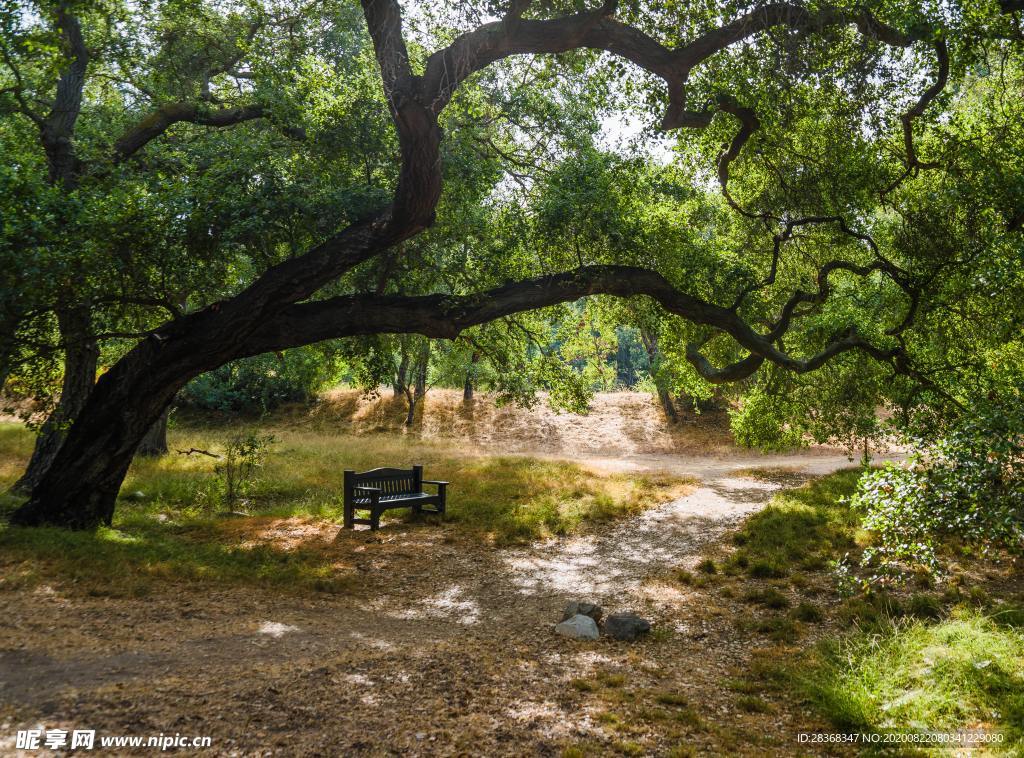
[[768, 597], [964, 671], [171, 530], [801, 529], [902, 661], [128, 561]]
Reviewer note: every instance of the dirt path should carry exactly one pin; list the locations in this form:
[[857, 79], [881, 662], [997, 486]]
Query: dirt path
[[445, 647]]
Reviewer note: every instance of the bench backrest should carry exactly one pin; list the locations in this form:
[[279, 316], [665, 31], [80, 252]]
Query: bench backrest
[[390, 481]]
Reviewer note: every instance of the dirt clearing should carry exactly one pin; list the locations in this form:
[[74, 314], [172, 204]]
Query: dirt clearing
[[443, 646]]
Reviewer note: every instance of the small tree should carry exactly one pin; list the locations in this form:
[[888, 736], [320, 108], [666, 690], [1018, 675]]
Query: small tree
[[244, 457]]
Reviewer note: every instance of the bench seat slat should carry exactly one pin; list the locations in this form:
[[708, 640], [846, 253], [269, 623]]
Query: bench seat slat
[[402, 496]]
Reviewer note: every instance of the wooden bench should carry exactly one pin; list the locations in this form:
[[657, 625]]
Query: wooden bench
[[381, 489]]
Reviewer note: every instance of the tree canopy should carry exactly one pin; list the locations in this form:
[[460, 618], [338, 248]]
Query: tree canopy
[[819, 205]]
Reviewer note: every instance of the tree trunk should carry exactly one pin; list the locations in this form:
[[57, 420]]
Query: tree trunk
[[80, 356], [154, 444], [421, 372], [650, 340], [401, 383], [419, 391], [467, 388], [411, 398], [80, 488], [665, 398]]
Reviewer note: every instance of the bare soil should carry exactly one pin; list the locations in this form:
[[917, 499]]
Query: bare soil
[[445, 646]]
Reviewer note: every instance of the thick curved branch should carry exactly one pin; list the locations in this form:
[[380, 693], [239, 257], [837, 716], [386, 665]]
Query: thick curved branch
[[160, 120], [597, 30], [446, 316], [913, 163], [734, 372], [415, 103], [748, 125]]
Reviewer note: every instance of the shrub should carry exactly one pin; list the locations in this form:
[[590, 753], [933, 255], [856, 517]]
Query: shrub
[[762, 421], [970, 485], [707, 566]]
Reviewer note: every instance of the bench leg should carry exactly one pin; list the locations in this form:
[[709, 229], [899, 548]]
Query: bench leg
[[350, 514], [374, 520]]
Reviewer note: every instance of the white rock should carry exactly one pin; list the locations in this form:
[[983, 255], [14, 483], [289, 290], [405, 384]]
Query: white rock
[[578, 627]]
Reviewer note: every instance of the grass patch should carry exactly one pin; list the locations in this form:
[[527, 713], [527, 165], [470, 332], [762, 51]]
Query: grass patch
[[672, 698], [768, 597], [169, 532], [752, 704], [126, 562], [808, 613], [802, 528], [778, 629], [966, 671]]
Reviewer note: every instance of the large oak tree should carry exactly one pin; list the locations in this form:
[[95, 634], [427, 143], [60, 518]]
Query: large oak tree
[[714, 75]]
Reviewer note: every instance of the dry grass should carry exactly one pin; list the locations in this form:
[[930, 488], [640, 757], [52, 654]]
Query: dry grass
[[503, 498], [167, 524], [619, 423]]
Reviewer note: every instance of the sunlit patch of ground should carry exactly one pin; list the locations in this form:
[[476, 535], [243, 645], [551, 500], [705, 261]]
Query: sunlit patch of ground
[[781, 476], [621, 423], [281, 533]]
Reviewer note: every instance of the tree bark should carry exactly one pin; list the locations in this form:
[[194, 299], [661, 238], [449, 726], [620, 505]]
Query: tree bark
[[401, 380], [468, 386], [80, 356], [416, 394], [650, 340], [154, 444]]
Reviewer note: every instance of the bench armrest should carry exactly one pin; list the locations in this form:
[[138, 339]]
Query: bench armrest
[[431, 481]]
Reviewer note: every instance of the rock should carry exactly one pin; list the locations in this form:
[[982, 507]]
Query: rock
[[626, 626], [135, 496], [583, 608], [578, 627]]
